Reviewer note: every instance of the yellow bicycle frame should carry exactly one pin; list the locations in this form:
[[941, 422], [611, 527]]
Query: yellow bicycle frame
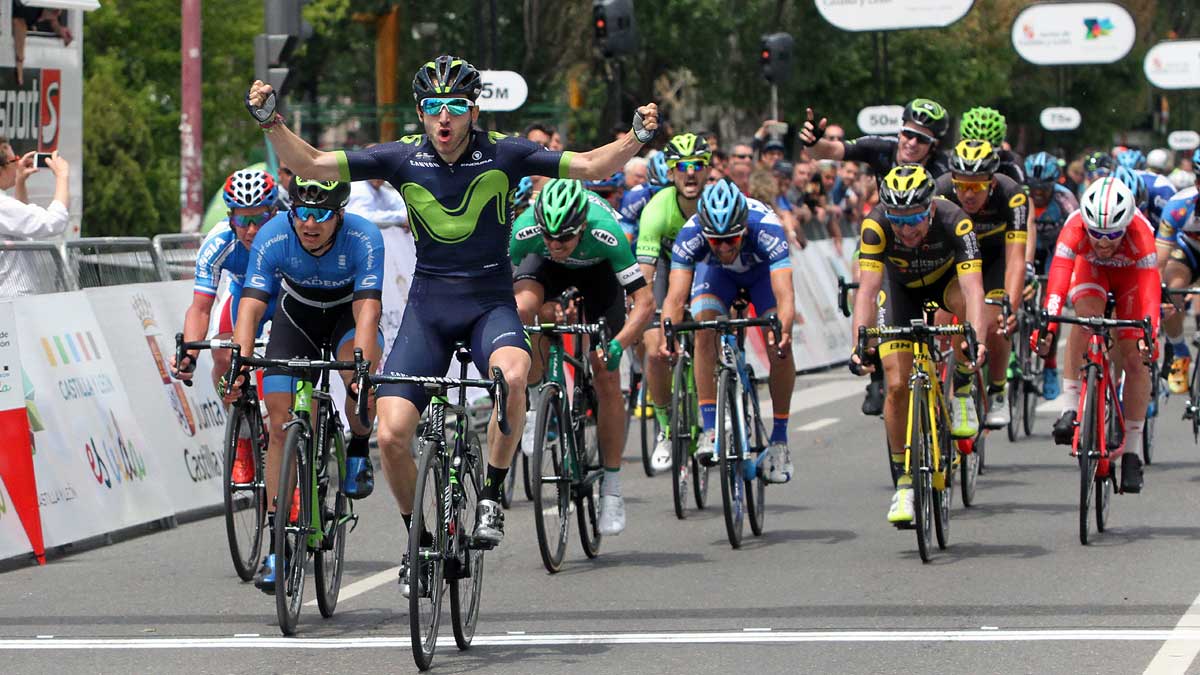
[[922, 392]]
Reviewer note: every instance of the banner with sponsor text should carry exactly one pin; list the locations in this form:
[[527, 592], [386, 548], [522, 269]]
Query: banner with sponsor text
[[20, 524]]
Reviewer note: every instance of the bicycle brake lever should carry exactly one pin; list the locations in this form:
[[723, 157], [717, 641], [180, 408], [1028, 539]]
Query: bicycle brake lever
[[362, 378], [180, 355]]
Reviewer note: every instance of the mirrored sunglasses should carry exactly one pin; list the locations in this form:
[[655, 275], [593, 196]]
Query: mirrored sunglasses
[[907, 220], [913, 134], [456, 106], [315, 212]]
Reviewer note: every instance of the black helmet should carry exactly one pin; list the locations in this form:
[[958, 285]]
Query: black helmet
[[447, 76], [325, 194], [929, 114]]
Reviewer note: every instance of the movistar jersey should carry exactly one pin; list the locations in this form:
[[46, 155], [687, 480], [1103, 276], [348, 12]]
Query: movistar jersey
[[460, 213], [602, 241], [1003, 219], [220, 252], [949, 247], [351, 269], [763, 244], [1160, 192], [1179, 220], [659, 224]]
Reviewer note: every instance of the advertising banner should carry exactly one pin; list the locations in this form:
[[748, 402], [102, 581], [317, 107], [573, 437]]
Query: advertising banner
[[184, 427], [1055, 34], [1174, 64], [95, 471], [502, 90], [20, 523], [864, 15]]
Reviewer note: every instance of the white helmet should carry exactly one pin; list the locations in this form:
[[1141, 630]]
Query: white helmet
[[1108, 205], [1158, 159]]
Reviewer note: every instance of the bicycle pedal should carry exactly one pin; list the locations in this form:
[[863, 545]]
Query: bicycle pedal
[[480, 544]]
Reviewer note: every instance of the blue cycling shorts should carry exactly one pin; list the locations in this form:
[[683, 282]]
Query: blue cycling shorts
[[714, 288]]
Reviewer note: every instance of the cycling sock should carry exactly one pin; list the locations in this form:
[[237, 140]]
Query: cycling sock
[[997, 386], [1133, 436], [962, 379], [1051, 361], [1179, 348], [708, 415], [492, 482], [359, 446], [1070, 394], [663, 415], [779, 429], [611, 485]]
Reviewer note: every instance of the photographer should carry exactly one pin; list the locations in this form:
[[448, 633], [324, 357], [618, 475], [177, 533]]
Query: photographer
[[18, 218]]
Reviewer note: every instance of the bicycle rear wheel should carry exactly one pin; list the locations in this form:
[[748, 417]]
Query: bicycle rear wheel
[[245, 504], [550, 484], [333, 508], [729, 451], [291, 539], [426, 571], [756, 486], [467, 585], [587, 502], [943, 498], [1148, 427], [1088, 452], [681, 438], [649, 427], [922, 474]]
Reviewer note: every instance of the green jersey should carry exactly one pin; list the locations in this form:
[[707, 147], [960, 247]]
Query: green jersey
[[603, 240], [658, 226]]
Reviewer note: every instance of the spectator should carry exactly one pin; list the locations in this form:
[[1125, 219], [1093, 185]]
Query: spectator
[[765, 189], [739, 173], [715, 174], [378, 202], [539, 133], [285, 181], [637, 172], [713, 140], [772, 151], [720, 160], [20, 219], [835, 132], [742, 153], [1074, 176], [556, 143], [26, 19], [798, 192]]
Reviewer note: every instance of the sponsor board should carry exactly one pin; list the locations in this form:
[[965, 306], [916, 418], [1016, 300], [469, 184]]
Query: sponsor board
[[881, 120], [502, 90], [1073, 33], [870, 15], [1174, 64], [1060, 119]]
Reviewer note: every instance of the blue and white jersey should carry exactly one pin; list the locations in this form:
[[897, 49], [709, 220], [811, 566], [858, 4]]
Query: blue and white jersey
[[1179, 221], [763, 244], [1160, 192], [221, 251], [632, 203], [351, 269]]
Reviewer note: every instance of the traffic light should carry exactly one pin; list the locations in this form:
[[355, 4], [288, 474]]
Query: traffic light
[[613, 21], [775, 57], [285, 30]]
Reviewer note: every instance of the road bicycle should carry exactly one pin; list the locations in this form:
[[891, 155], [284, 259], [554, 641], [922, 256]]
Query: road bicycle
[[1025, 365]]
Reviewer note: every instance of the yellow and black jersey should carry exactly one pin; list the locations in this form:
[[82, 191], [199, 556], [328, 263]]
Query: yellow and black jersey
[[1004, 218], [950, 247]]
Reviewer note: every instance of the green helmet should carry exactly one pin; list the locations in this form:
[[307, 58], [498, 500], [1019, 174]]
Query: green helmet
[[325, 194], [561, 208], [985, 124], [683, 146], [929, 114]]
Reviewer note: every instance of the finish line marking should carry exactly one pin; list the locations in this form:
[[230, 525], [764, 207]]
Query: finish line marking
[[1182, 645], [818, 424], [730, 637], [363, 585]]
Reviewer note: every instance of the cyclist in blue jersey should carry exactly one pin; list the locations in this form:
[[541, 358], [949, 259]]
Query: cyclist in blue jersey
[[1179, 259], [734, 244], [327, 266], [458, 184], [636, 197]]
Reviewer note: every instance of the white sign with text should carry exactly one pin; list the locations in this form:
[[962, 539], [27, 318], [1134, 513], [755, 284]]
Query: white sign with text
[[868, 15], [503, 90], [1060, 119], [1174, 64], [1055, 34], [883, 120]]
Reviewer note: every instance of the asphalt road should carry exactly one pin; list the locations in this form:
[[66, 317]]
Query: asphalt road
[[830, 587]]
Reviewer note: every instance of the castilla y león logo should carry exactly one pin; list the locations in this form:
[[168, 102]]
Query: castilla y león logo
[[1097, 28]]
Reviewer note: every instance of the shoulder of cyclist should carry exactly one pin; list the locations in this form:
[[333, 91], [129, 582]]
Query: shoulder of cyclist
[[217, 252]]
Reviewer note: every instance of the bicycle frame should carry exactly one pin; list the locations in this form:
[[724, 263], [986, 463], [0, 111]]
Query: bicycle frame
[[574, 462], [307, 397], [923, 393]]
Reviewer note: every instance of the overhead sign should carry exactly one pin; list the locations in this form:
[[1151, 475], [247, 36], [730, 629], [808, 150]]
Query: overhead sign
[[867, 15], [1060, 119], [503, 90], [882, 120], [1073, 33], [1183, 140], [1174, 64]]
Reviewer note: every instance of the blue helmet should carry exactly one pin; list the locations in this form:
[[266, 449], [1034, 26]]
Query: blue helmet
[[606, 185], [658, 169], [1135, 184], [523, 192], [1133, 159], [722, 209], [1196, 162], [1041, 168]]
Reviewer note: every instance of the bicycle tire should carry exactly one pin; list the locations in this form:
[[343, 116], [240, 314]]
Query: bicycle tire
[[509, 487], [681, 439], [1192, 401], [466, 591], [756, 493], [551, 516], [245, 507], [525, 475], [699, 471], [1148, 424], [943, 499], [1087, 463], [968, 466], [981, 398], [425, 613], [291, 541], [1031, 397], [587, 507], [919, 452], [649, 427], [733, 498], [329, 559]]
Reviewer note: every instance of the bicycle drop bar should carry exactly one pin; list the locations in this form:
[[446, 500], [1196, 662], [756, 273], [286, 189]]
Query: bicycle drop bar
[[1168, 293], [844, 288], [301, 366], [1100, 323], [919, 330], [724, 326], [1005, 306], [182, 348], [497, 388]]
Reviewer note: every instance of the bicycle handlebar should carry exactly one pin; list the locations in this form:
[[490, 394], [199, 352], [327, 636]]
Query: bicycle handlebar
[[497, 387], [723, 326], [183, 347], [919, 330], [844, 288], [1099, 323]]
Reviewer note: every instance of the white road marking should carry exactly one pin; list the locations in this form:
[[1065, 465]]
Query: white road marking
[[1182, 645], [364, 585], [813, 397], [818, 424], [723, 637], [246, 635]]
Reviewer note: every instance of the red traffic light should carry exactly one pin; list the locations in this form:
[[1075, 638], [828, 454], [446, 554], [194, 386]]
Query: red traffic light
[[600, 23], [766, 55]]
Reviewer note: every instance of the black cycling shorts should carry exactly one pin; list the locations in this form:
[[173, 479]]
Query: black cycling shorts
[[299, 330], [902, 304], [603, 296]]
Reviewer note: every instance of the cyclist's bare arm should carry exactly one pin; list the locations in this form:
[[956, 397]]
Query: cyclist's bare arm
[[293, 151], [606, 160], [785, 304], [195, 326], [639, 316], [866, 299], [822, 149]]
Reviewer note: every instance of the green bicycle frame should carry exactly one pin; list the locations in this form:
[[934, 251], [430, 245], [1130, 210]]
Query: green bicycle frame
[[302, 409]]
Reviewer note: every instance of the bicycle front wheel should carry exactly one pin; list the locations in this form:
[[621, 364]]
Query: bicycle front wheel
[[922, 472], [467, 585], [333, 508], [649, 427], [550, 485], [587, 501], [728, 449], [245, 503], [1155, 403], [426, 569], [756, 485], [291, 538], [681, 438], [1088, 452], [944, 497]]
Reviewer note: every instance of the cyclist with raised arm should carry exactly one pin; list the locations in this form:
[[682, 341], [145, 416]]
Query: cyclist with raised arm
[[571, 238], [327, 267], [1107, 246], [252, 199], [1052, 203], [457, 182], [688, 159], [1178, 249], [998, 207], [925, 123], [930, 254], [735, 245]]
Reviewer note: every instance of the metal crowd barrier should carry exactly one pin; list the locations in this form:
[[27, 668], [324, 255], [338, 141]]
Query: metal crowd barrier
[[177, 254], [112, 261], [33, 267]]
